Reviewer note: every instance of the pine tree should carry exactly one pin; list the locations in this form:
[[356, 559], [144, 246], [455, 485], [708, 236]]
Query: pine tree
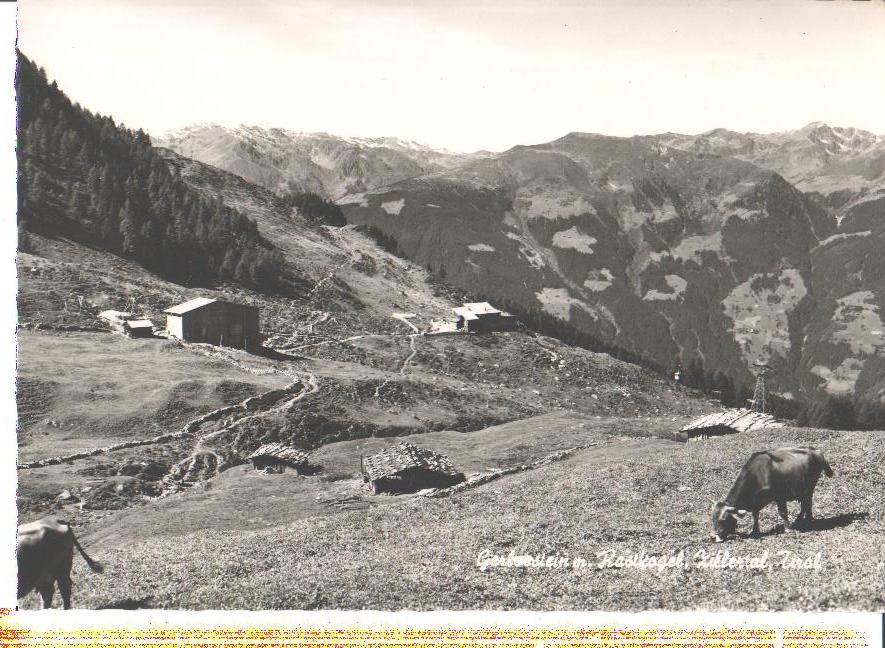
[[117, 189], [128, 230]]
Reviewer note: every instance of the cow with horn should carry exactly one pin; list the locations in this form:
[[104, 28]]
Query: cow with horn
[[780, 476]]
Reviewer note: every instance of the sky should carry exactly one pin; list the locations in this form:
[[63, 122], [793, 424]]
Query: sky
[[466, 75]]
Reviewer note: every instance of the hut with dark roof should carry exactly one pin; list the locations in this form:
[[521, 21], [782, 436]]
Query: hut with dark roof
[[138, 328], [277, 458], [406, 468]]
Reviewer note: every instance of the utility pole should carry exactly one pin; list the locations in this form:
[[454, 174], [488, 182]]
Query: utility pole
[[760, 394]]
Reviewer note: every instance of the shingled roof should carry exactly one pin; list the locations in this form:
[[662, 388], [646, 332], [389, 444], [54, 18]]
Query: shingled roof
[[740, 420], [404, 456], [279, 451]]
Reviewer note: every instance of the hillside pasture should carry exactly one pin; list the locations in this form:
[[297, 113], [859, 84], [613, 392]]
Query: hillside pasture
[[630, 494], [82, 390], [79, 391]]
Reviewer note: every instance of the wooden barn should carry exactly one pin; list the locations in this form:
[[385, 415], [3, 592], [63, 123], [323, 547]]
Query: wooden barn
[[277, 458], [482, 317], [138, 328], [405, 468], [215, 321], [728, 422]]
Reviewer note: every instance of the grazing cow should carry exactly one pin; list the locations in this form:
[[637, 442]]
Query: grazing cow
[[45, 554], [781, 476]]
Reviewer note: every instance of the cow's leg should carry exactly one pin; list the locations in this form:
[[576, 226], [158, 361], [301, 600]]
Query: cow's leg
[[24, 586], [785, 514], [807, 506], [47, 590], [64, 588], [755, 532]]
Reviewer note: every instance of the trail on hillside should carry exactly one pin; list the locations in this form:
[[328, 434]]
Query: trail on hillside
[[408, 359], [413, 351], [352, 256], [231, 412], [324, 317], [554, 357], [204, 463]]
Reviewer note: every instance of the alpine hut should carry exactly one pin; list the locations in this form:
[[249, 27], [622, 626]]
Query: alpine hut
[[215, 321], [406, 468], [138, 328], [728, 422], [276, 458], [482, 317]]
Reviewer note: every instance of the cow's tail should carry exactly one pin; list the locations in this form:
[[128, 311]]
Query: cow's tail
[[94, 565]]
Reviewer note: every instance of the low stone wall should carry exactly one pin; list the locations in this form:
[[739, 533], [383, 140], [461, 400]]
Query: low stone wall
[[485, 478], [248, 405]]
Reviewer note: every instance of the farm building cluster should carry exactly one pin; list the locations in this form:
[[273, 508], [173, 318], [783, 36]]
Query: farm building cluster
[[398, 469], [482, 317], [213, 321], [127, 323]]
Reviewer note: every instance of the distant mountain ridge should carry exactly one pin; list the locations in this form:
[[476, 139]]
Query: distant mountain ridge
[[671, 248], [837, 166], [329, 165], [709, 251]]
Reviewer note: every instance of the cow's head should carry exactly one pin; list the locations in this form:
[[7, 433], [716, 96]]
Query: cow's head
[[724, 520]]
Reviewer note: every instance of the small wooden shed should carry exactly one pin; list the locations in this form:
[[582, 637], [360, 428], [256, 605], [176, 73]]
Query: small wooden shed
[[277, 458], [138, 328], [728, 422], [406, 468]]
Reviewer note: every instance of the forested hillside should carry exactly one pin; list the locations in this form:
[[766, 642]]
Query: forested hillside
[[84, 176]]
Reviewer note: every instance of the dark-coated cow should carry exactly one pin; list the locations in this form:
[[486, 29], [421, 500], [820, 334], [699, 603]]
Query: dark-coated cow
[[780, 476], [45, 555]]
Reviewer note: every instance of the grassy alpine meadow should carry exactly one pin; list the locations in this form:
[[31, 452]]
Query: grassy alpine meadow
[[620, 525]]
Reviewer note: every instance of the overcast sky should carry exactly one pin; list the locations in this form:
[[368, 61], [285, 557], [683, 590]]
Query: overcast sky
[[466, 75]]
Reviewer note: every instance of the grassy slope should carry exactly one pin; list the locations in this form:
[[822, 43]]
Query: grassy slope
[[117, 389], [630, 494], [79, 391]]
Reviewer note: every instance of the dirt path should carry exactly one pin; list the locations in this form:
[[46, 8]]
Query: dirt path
[[204, 463], [554, 357], [251, 407], [408, 359], [405, 318], [352, 257], [324, 317]]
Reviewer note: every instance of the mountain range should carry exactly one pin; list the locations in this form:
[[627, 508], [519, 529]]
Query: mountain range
[[287, 162], [719, 250]]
